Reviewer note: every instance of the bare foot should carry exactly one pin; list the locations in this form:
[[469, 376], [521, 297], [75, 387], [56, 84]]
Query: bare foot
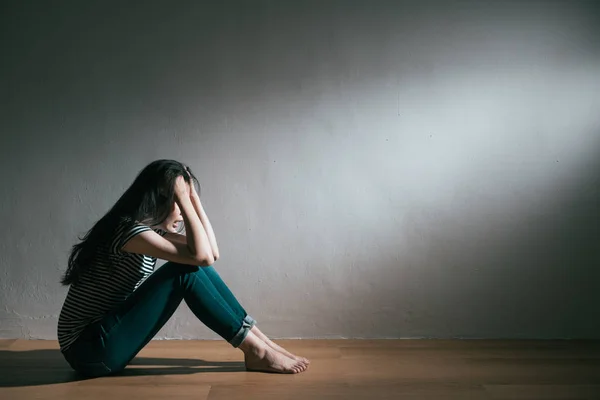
[[260, 357], [276, 347]]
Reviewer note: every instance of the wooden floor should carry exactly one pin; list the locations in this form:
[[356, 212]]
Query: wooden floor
[[340, 369]]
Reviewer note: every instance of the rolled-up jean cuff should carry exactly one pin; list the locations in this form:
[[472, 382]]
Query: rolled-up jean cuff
[[239, 337], [250, 320]]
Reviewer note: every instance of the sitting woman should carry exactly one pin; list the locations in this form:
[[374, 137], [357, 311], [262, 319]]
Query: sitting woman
[[116, 303]]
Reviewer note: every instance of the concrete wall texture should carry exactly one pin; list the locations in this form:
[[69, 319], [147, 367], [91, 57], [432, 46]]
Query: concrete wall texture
[[372, 169]]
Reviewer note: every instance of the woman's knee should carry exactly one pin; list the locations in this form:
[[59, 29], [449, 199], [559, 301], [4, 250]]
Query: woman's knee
[[175, 268]]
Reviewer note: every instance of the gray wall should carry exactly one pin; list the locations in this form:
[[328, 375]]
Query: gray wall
[[372, 169]]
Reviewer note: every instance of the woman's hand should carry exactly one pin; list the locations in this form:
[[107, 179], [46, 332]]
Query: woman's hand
[[182, 188], [193, 192]]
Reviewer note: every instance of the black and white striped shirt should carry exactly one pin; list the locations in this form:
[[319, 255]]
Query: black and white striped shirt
[[112, 277]]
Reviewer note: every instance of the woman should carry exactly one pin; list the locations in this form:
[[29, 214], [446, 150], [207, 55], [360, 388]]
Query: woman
[[116, 303]]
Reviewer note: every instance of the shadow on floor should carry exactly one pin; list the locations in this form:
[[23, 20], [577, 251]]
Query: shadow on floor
[[43, 367]]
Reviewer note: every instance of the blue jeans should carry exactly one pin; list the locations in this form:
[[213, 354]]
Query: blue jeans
[[108, 345]]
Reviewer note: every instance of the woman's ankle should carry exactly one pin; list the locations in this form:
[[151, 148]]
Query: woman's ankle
[[253, 345]]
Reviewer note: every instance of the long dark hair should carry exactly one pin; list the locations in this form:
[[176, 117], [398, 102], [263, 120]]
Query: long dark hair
[[148, 200]]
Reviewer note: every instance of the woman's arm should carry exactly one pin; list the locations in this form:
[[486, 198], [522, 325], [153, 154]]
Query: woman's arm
[[196, 235], [195, 250], [195, 199], [206, 223], [203, 218], [175, 237]]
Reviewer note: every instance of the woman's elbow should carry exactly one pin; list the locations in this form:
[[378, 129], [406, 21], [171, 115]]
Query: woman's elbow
[[206, 260]]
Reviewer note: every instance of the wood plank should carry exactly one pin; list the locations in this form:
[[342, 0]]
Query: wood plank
[[543, 392], [70, 391], [346, 391], [23, 345], [5, 343]]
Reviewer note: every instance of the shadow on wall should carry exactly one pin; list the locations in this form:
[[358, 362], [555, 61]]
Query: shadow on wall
[[44, 367]]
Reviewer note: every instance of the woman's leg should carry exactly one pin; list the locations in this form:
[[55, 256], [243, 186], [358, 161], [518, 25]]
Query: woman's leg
[[121, 334], [237, 308], [126, 330], [217, 284]]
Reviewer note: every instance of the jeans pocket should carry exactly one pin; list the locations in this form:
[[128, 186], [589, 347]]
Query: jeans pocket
[[92, 369]]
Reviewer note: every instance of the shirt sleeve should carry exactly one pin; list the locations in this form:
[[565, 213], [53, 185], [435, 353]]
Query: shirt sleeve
[[124, 232]]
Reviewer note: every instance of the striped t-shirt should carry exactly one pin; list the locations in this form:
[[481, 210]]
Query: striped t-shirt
[[112, 277]]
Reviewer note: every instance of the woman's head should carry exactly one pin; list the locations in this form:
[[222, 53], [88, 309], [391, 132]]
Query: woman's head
[[149, 200], [151, 197]]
